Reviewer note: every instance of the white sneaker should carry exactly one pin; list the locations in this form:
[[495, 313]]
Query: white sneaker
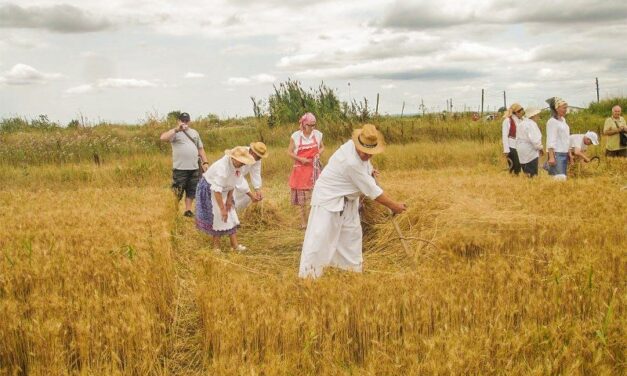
[[217, 250], [240, 248]]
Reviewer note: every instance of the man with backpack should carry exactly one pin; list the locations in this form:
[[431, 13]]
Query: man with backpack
[[187, 154]]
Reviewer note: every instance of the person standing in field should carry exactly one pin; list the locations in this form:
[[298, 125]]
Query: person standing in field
[[612, 129], [305, 149], [215, 211], [511, 120], [529, 142], [333, 236], [243, 198], [579, 143], [186, 148], [557, 139]]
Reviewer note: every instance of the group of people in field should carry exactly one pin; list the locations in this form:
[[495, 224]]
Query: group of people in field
[[522, 139], [327, 199]]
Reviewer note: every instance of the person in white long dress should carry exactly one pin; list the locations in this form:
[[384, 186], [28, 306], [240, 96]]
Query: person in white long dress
[[244, 197], [333, 236], [215, 214], [529, 142]]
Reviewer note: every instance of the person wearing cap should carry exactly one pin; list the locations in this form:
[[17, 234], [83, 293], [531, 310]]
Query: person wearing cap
[[333, 236], [215, 213], [258, 151], [186, 148], [557, 139], [612, 129], [511, 120], [579, 143], [529, 142], [305, 149]]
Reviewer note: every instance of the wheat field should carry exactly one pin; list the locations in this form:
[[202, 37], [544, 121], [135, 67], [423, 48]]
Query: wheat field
[[100, 274]]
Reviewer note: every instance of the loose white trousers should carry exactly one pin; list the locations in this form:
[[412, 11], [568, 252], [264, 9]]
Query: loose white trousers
[[332, 239]]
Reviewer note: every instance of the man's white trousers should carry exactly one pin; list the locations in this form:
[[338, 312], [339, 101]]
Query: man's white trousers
[[332, 239]]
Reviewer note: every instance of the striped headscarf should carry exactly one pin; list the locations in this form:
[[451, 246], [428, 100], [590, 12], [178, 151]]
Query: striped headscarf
[[554, 104]]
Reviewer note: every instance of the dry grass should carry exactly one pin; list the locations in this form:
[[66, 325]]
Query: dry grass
[[511, 275]]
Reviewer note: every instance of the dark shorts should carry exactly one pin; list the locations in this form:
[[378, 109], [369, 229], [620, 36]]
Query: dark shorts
[[185, 181]]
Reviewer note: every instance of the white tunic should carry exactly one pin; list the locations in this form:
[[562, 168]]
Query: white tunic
[[333, 236], [224, 177], [576, 142], [528, 141], [557, 135], [240, 196], [507, 141]]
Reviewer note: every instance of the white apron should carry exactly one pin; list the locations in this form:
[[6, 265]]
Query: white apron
[[218, 224]]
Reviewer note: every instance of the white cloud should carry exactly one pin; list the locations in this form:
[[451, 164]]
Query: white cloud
[[193, 75], [81, 89], [388, 86], [257, 79], [128, 83], [112, 83], [59, 18], [22, 74]]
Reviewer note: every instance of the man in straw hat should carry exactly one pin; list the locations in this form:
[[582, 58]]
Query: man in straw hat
[[243, 198], [529, 142], [511, 120], [215, 214], [333, 236]]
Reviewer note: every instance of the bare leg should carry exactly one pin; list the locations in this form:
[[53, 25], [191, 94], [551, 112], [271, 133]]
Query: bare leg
[[303, 216], [233, 238], [216, 242], [188, 203]]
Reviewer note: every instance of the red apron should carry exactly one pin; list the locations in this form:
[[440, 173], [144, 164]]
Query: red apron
[[302, 175]]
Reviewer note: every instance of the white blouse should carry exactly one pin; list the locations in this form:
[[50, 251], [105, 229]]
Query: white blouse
[[557, 135], [528, 141], [346, 175], [296, 136], [224, 177]]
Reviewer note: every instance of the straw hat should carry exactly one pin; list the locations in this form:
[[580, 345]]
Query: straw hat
[[531, 112], [368, 139], [260, 149], [240, 154], [515, 108]]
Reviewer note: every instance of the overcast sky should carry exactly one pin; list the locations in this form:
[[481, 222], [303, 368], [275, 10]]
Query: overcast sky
[[120, 60]]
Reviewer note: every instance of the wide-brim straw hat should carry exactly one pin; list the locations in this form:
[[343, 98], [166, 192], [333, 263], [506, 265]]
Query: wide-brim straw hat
[[260, 149], [531, 112], [240, 154], [369, 140]]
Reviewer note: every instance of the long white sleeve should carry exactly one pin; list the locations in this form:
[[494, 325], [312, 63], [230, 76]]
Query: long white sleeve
[[534, 135], [505, 135], [255, 175], [551, 134]]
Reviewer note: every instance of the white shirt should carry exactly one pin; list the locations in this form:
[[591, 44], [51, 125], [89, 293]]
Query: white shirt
[[296, 136], [507, 141], [557, 135], [254, 170], [576, 142], [346, 175], [528, 141], [224, 177]]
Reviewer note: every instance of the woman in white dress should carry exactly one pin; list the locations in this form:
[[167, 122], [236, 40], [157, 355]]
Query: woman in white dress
[[215, 210]]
